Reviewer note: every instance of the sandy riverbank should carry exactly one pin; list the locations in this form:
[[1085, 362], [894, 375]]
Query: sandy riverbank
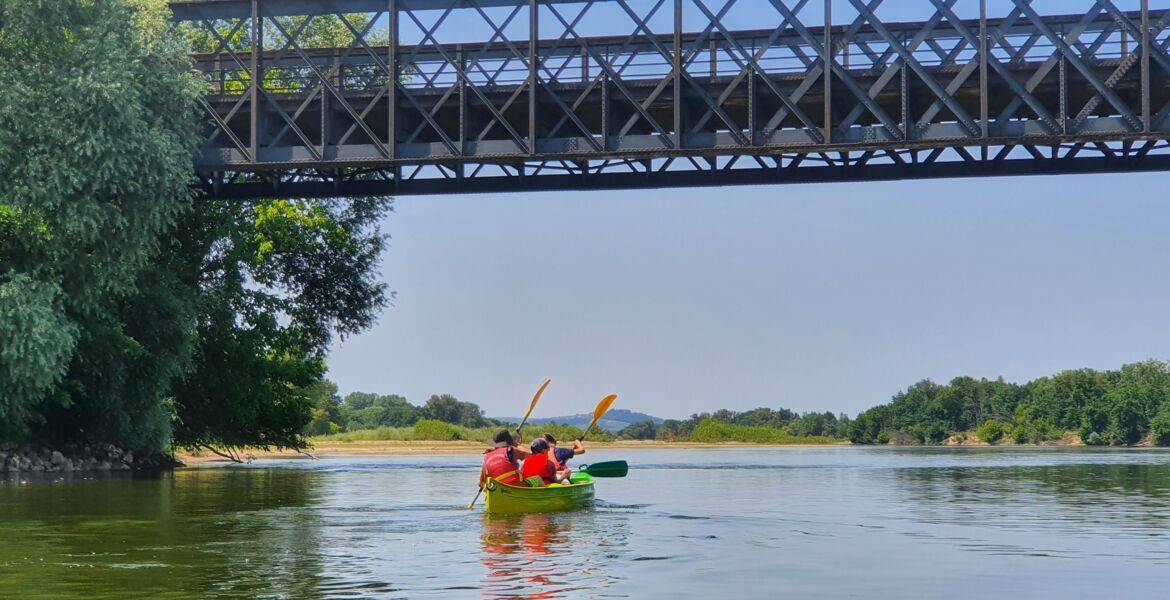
[[432, 448]]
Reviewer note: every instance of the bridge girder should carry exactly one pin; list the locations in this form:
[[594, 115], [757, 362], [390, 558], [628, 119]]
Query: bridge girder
[[515, 99]]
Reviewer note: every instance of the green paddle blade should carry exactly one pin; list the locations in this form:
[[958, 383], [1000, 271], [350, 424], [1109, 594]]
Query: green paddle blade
[[612, 468]]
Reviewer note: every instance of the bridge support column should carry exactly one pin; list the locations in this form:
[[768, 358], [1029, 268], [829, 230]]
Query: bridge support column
[[984, 48], [533, 57], [392, 80], [1145, 66], [827, 59], [257, 80], [676, 67]]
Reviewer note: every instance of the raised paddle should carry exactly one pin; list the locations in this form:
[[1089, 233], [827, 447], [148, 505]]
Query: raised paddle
[[602, 408], [532, 405], [535, 399], [609, 468]]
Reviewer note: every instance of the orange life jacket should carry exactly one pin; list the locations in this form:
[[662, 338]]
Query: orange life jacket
[[498, 466], [552, 458]]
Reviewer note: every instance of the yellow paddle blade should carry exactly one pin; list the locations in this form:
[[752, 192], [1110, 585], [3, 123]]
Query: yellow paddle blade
[[532, 405], [602, 408], [536, 398]]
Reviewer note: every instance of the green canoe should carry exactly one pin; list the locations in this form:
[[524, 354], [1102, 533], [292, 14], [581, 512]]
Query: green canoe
[[512, 500]]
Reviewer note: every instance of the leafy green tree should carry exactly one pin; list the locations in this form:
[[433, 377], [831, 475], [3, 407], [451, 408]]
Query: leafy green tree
[[644, 430], [448, 409], [277, 281], [1127, 422], [1057, 401], [1095, 422], [97, 126], [672, 430], [1160, 427], [367, 411], [326, 416], [130, 313]]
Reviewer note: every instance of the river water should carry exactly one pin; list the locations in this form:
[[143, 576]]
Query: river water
[[759, 522]]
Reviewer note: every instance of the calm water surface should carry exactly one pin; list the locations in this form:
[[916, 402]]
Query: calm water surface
[[776, 522]]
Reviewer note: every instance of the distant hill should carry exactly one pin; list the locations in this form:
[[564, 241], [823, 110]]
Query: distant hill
[[614, 420]]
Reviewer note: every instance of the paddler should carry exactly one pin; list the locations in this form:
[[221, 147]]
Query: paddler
[[539, 468], [561, 456], [502, 463]]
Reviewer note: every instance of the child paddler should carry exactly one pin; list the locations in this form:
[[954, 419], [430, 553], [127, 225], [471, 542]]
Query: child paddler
[[540, 469], [502, 463]]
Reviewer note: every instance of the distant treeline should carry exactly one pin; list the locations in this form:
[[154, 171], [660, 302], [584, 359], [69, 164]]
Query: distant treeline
[[361, 410], [756, 425], [1121, 407], [366, 416]]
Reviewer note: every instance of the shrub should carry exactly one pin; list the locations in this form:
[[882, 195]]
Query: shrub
[[711, 431], [367, 435], [991, 431], [1160, 427], [430, 429]]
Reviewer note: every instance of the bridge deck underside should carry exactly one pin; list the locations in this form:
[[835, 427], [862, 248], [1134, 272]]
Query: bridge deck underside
[[1018, 93]]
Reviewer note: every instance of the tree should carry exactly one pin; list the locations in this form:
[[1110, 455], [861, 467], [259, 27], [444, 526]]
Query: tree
[[643, 430], [326, 414], [97, 127], [277, 280], [1094, 421], [448, 409], [130, 314], [1057, 401], [672, 429], [367, 411], [1160, 427]]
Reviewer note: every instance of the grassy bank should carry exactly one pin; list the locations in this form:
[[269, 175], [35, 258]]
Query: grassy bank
[[707, 432]]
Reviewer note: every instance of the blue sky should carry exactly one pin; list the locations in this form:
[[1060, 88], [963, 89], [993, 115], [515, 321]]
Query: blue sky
[[813, 297]]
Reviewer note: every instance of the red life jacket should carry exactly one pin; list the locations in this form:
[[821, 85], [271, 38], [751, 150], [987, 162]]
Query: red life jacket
[[498, 466], [538, 465]]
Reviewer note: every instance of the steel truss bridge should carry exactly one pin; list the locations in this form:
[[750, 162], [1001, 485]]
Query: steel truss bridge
[[459, 96]]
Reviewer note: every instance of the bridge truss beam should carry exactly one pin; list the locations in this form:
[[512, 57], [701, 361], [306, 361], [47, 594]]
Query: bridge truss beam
[[461, 96]]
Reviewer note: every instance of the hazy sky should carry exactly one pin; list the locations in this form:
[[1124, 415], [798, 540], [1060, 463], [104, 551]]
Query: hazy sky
[[828, 297]]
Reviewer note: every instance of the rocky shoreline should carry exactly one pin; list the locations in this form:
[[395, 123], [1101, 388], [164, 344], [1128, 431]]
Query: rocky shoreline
[[91, 458]]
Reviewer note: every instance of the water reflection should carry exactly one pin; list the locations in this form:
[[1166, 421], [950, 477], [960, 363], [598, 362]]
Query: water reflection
[[809, 522], [228, 532], [541, 555], [1122, 495]]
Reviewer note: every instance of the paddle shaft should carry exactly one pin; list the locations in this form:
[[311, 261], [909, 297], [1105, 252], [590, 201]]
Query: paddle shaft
[[475, 499]]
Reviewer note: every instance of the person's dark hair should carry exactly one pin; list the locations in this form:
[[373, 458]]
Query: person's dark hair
[[504, 436], [539, 445], [549, 438]]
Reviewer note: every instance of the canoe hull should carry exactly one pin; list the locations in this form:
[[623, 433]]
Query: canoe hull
[[512, 500]]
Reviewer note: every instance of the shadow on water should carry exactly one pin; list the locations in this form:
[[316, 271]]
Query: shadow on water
[[540, 555], [1129, 499], [222, 532]]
